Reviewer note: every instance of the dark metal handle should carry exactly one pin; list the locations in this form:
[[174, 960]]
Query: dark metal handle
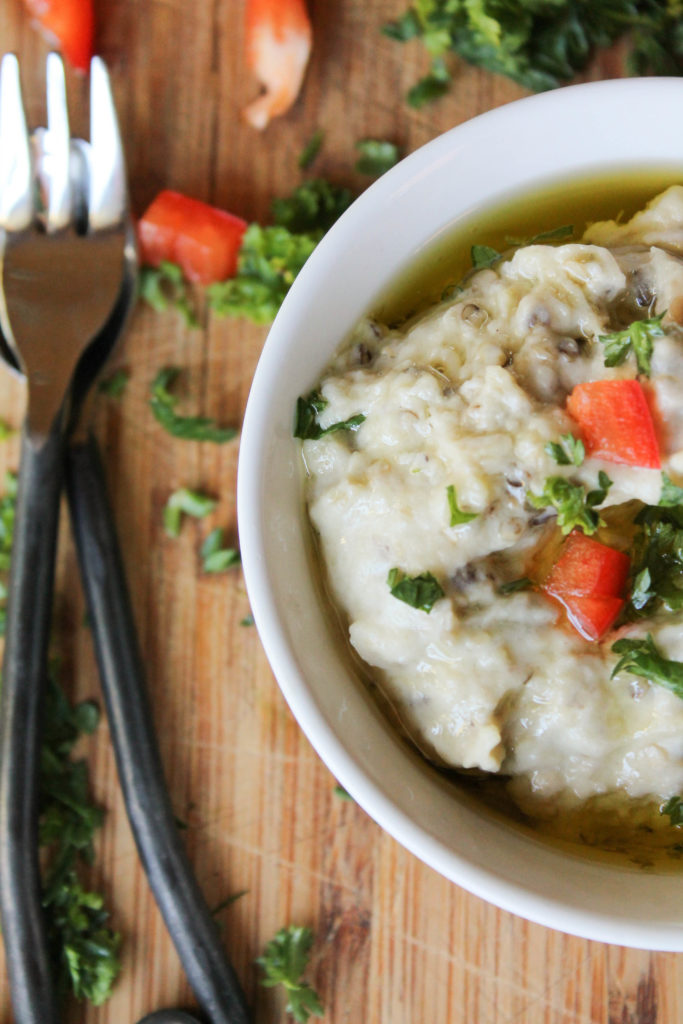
[[23, 682], [175, 889]]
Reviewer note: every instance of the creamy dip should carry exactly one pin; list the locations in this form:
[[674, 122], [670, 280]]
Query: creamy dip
[[462, 402]]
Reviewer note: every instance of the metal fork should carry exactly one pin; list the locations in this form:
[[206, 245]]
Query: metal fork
[[81, 208]]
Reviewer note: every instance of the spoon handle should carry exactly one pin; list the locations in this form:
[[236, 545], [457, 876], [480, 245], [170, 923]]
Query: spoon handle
[[23, 683], [173, 884]]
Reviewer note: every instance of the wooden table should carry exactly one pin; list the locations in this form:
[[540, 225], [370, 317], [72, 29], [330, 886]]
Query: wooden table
[[394, 942]]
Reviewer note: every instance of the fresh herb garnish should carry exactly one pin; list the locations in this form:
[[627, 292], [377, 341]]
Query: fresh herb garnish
[[215, 556], [190, 428], [306, 425], [673, 808], [657, 559], [553, 235], [639, 338], [342, 793], [483, 256], [575, 508], [185, 502], [420, 592], [311, 150], [568, 451], [642, 658], [671, 495], [540, 45], [83, 949], [457, 516], [165, 287], [376, 156], [513, 586], [312, 208], [115, 384], [284, 961], [248, 620]]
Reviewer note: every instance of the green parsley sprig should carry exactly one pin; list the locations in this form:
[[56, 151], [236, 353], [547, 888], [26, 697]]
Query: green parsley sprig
[[306, 424], [191, 428], [165, 287], [186, 502], [284, 961], [638, 338], [216, 557], [376, 156], [575, 508], [421, 592], [641, 657], [657, 558], [568, 451]]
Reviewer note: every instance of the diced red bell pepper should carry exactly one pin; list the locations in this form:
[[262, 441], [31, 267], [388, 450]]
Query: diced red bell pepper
[[615, 422], [589, 579], [203, 240], [68, 23], [279, 40]]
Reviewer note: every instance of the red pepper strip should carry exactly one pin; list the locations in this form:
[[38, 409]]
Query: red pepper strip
[[589, 579], [70, 24], [615, 422], [203, 240], [279, 40]]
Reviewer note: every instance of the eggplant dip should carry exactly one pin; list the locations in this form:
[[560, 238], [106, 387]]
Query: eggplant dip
[[496, 493]]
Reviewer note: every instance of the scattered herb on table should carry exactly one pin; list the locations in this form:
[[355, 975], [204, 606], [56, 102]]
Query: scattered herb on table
[[185, 502], [641, 657], [376, 156], [216, 557], [422, 591], [638, 338], [306, 425], [165, 287], [191, 428], [115, 384], [311, 150], [539, 45], [284, 961], [457, 516], [576, 509], [248, 620], [342, 793], [312, 208], [568, 451]]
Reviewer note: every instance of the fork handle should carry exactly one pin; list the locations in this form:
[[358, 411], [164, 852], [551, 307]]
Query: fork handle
[[23, 684], [175, 888]]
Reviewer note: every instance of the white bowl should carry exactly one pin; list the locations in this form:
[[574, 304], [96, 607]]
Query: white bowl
[[565, 134]]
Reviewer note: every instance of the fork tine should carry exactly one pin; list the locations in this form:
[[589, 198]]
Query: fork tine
[[16, 199], [54, 158], [107, 197]]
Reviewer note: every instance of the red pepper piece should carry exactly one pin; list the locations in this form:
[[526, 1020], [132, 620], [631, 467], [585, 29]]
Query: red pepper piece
[[279, 40], [589, 579], [615, 422], [203, 240], [70, 24]]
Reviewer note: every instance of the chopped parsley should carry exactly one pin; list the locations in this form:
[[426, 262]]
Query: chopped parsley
[[671, 495], [185, 502], [568, 451], [311, 150], [539, 45], [642, 658], [483, 256], [312, 208], [673, 808], [115, 384], [190, 428], [457, 516], [657, 559], [639, 338], [553, 235], [165, 287], [306, 425], [216, 557], [376, 156], [576, 509], [421, 592], [284, 961], [513, 586]]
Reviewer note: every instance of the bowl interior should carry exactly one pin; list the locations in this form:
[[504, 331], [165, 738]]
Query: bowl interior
[[560, 136]]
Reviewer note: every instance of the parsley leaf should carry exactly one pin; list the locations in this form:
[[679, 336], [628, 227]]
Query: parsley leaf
[[638, 338], [432, 87], [284, 961], [657, 557], [312, 208], [311, 150], [215, 556], [568, 451], [185, 502], [642, 658], [165, 287], [420, 592], [457, 516], [483, 256], [513, 586], [190, 428], [575, 508], [553, 235], [674, 809], [671, 495], [306, 425], [115, 384], [376, 156]]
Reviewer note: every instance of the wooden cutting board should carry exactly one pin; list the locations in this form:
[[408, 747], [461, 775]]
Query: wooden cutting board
[[394, 942]]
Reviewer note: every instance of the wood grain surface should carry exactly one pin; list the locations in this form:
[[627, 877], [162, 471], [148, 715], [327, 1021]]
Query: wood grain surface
[[394, 942]]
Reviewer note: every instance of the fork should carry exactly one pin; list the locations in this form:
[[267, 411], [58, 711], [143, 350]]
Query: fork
[[82, 208]]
